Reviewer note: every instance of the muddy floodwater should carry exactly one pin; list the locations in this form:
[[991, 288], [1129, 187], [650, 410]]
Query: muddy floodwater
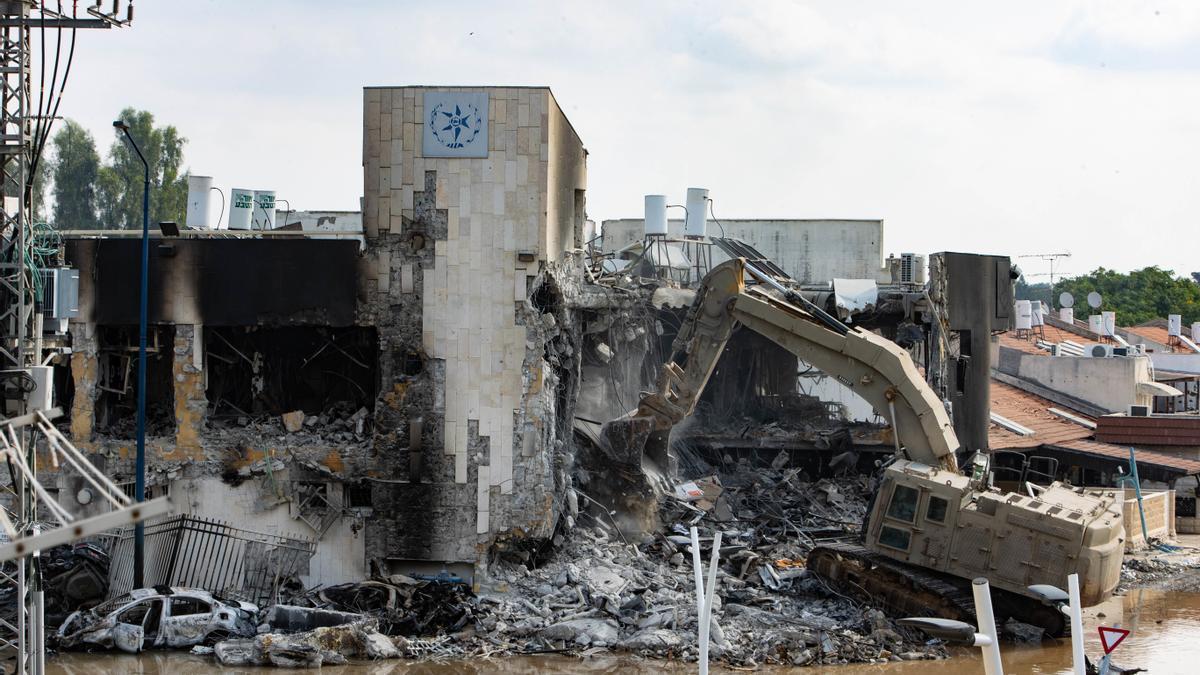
[[1165, 640]]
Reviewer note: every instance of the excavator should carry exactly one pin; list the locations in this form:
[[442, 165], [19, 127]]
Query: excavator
[[931, 527]]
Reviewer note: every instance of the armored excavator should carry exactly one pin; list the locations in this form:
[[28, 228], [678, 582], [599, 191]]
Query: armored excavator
[[931, 528]]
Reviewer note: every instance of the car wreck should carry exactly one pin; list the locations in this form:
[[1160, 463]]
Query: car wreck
[[149, 618]]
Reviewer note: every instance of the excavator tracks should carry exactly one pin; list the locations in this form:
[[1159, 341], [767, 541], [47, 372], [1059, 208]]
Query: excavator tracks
[[904, 590]]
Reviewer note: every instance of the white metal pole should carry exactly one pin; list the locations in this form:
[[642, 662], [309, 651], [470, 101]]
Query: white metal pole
[[987, 626], [706, 611], [698, 572], [1077, 657]]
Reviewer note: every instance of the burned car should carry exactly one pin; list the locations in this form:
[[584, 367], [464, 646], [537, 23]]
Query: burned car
[[148, 618]]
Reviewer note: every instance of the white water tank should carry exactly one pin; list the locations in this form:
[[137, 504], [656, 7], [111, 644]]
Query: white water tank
[[656, 216], [1024, 315], [696, 224], [1036, 306], [241, 208], [1096, 324], [199, 201], [1066, 314], [1196, 332], [1110, 323], [1174, 324], [264, 210]]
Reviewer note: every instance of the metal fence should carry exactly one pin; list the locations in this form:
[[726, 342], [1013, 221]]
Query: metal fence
[[186, 550]]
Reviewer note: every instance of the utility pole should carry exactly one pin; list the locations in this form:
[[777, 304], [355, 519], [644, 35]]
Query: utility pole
[[1050, 258], [25, 124]]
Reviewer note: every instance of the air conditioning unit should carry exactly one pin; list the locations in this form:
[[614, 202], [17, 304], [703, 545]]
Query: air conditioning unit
[[60, 293], [1120, 351], [1136, 350], [912, 268], [1139, 411], [1099, 351]]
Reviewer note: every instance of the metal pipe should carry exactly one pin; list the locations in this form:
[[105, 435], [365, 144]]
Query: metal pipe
[[987, 627], [1078, 660]]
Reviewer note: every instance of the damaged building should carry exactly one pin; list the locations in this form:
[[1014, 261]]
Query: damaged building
[[407, 405]]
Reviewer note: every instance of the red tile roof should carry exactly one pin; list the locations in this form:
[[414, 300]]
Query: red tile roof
[[1029, 346], [1096, 448], [1170, 429], [1030, 411], [1154, 334]]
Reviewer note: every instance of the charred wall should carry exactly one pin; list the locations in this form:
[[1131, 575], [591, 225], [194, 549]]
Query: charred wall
[[218, 282]]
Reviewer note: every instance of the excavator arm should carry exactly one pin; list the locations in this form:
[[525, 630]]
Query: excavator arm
[[873, 367]]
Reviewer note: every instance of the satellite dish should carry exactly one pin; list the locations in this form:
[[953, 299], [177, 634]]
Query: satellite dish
[[1094, 300], [1065, 299]]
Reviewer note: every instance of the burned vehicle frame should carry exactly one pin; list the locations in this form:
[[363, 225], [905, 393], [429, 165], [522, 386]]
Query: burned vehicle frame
[[148, 618]]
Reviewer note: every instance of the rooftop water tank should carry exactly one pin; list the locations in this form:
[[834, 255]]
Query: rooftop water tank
[[1067, 314], [264, 210], [241, 208], [1096, 324], [199, 201], [1174, 324], [656, 215], [696, 225], [1110, 323], [1024, 315]]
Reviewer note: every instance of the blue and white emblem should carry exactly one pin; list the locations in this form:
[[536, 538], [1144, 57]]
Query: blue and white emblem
[[455, 124], [455, 127]]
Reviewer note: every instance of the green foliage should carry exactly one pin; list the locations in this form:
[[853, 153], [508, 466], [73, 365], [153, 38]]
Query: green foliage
[[1139, 296], [119, 184], [76, 167], [1042, 291]]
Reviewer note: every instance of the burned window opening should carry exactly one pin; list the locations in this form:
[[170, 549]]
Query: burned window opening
[[546, 297], [411, 363], [117, 363], [328, 373], [358, 495]]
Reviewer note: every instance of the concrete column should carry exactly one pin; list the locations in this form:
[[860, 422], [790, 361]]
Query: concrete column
[[191, 404], [85, 372]]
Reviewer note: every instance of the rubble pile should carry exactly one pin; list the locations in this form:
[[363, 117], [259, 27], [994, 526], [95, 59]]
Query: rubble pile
[[603, 593], [325, 645], [341, 422]]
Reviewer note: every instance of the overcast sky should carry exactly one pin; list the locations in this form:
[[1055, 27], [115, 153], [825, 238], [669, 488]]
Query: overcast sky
[[1010, 128]]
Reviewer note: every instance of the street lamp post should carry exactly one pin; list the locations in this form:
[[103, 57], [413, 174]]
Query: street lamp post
[[139, 540]]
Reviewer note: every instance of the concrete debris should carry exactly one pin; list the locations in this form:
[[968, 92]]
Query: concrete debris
[[293, 421], [1022, 633], [767, 610], [328, 645]]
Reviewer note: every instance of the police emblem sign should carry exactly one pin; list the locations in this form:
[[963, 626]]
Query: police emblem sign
[[456, 124]]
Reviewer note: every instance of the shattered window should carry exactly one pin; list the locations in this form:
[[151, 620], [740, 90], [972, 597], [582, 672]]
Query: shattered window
[[904, 504], [134, 615], [937, 510], [894, 537], [188, 606]]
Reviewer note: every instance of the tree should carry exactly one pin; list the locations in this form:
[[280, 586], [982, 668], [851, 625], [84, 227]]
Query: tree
[[76, 167], [1139, 296], [119, 184], [1041, 291]]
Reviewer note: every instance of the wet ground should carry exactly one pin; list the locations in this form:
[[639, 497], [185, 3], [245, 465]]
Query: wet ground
[[1165, 640]]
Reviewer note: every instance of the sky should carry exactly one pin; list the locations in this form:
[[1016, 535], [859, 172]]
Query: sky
[[1008, 128]]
